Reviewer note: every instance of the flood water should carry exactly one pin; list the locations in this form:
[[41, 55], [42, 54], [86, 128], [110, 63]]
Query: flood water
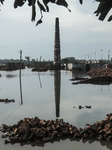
[[51, 95]]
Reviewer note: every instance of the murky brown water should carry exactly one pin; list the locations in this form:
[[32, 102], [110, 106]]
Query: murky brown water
[[51, 95]]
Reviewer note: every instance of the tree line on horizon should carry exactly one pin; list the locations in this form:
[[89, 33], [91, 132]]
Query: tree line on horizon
[[27, 60]]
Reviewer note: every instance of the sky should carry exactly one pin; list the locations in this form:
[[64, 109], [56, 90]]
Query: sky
[[82, 35]]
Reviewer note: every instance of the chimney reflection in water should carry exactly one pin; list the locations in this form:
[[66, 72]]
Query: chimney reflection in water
[[57, 89], [57, 84]]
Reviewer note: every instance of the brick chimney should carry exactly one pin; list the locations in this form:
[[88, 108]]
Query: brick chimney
[[57, 56]]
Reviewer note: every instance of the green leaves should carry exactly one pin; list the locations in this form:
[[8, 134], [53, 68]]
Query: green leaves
[[81, 1], [2, 1], [45, 3], [63, 3], [42, 8], [103, 9], [19, 3], [39, 22], [110, 18], [99, 0], [29, 2], [33, 10]]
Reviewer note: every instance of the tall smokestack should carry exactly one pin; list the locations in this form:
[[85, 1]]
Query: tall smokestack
[[57, 56]]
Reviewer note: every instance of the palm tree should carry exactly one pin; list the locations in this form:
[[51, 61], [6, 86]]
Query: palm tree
[[27, 58]]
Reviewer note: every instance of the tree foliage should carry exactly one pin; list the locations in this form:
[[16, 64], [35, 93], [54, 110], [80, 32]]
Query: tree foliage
[[68, 60], [27, 58], [103, 8]]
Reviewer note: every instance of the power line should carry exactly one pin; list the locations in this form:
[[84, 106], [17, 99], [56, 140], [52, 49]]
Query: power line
[[29, 54], [8, 48], [13, 49], [17, 51], [19, 105]]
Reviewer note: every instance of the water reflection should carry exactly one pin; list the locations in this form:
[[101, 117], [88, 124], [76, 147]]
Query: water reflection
[[103, 143], [20, 87], [81, 142], [39, 79], [81, 116], [80, 76], [57, 79], [75, 74], [57, 89], [10, 76], [108, 144]]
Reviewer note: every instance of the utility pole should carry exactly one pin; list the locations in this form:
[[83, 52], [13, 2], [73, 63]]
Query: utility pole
[[95, 55], [20, 58], [102, 54], [108, 55]]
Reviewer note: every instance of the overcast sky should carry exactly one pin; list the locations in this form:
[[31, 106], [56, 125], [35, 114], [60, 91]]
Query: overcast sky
[[82, 35]]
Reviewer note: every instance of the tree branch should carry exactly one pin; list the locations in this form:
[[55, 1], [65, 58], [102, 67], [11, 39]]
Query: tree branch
[[103, 8]]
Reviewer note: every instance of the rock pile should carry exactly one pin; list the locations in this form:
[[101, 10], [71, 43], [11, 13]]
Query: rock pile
[[12, 66], [80, 107], [49, 67], [100, 130], [78, 78], [42, 131], [7, 100], [38, 130], [96, 80], [45, 68], [100, 72]]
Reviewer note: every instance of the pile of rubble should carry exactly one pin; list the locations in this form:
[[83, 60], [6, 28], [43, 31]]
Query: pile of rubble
[[7, 100], [49, 67], [38, 131], [103, 80], [12, 66], [41, 68], [100, 72]]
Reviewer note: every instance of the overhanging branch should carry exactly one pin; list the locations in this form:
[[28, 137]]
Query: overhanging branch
[[103, 8]]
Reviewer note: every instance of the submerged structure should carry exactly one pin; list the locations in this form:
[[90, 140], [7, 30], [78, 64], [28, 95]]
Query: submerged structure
[[57, 55]]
